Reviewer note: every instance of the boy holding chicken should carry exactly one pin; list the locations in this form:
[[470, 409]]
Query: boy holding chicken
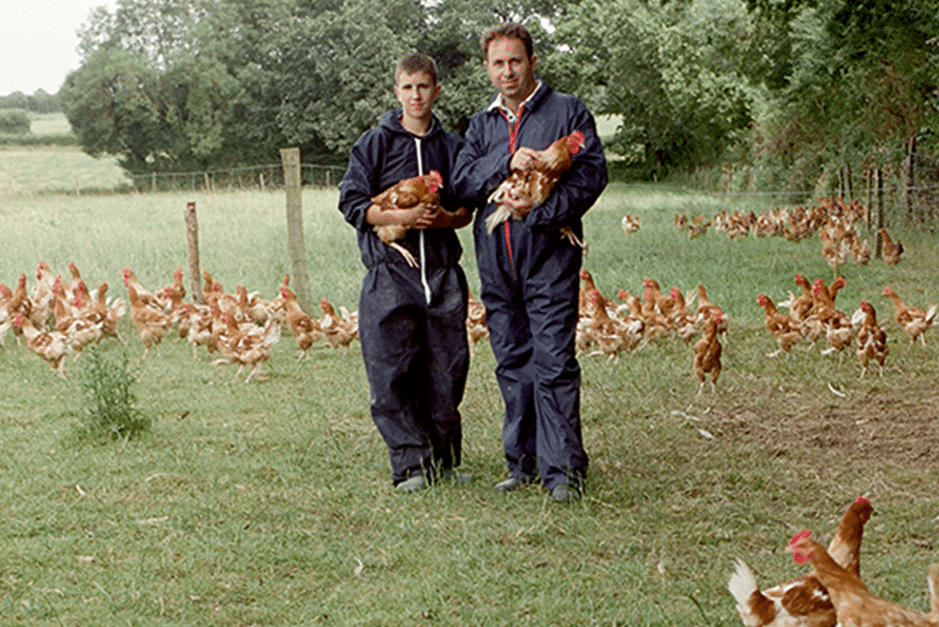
[[412, 309]]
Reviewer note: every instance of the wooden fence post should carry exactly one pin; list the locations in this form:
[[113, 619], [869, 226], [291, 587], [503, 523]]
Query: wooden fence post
[[192, 235], [300, 280], [879, 192]]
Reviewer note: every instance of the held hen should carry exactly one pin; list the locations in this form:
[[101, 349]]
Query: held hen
[[407, 194], [914, 320], [803, 601], [538, 182], [871, 340], [853, 602]]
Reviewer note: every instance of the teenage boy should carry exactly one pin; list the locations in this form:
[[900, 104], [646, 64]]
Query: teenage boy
[[412, 321], [528, 271]]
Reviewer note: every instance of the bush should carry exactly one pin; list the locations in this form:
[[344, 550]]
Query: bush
[[37, 140], [110, 403], [14, 122]]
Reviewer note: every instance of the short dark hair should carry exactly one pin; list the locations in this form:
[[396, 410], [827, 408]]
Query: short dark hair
[[414, 63], [507, 31]]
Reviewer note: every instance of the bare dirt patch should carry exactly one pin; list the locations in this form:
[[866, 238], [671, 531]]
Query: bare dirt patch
[[888, 429]]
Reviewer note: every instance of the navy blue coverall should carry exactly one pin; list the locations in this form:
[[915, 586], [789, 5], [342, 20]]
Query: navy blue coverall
[[529, 276], [412, 321]]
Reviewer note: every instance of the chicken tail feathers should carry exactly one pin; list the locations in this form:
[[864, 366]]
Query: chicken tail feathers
[[931, 314], [933, 580], [754, 608], [497, 217], [742, 583]]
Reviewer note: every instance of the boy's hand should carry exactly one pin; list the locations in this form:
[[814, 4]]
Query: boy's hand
[[431, 216]]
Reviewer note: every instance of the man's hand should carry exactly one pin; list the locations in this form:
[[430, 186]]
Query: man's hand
[[519, 204], [524, 159]]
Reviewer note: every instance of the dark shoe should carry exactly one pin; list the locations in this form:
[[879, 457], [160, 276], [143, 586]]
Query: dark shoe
[[565, 493], [450, 475], [511, 484], [412, 484]]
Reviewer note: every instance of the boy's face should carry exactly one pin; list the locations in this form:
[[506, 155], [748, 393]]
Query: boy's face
[[416, 92]]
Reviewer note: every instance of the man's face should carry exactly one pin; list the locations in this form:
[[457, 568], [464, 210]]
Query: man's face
[[416, 92], [511, 71]]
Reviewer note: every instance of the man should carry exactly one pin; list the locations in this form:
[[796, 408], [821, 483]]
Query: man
[[412, 320], [528, 271]]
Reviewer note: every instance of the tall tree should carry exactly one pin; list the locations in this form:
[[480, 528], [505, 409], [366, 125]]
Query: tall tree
[[671, 70]]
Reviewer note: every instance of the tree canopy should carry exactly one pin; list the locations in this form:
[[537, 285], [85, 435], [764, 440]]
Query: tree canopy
[[787, 84]]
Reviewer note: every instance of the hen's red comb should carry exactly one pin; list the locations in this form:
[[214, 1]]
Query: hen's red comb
[[575, 142], [436, 176], [800, 558], [863, 499], [805, 533]]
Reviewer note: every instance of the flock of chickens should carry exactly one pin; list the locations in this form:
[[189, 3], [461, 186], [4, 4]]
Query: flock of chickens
[[813, 314], [832, 593], [58, 317], [834, 220], [609, 328]]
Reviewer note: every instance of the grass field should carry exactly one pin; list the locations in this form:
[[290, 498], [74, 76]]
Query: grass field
[[270, 503]]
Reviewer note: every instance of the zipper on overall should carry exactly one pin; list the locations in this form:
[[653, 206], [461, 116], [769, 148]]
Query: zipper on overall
[[420, 232], [513, 136]]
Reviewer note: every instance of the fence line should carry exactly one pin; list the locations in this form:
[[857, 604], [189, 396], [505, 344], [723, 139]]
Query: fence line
[[255, 177]]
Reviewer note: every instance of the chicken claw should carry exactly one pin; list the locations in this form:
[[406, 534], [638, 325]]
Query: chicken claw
[[568, 234]]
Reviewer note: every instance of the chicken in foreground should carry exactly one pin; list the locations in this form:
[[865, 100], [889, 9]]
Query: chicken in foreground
[[915, 321], [854, 604], [803, 601], [407, 194], [871, 340], [537, 182]]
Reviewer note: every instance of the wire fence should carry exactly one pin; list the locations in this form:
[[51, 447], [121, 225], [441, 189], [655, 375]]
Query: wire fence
[[258, 177]]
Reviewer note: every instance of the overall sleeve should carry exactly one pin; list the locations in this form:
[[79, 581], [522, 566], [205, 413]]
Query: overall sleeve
[[358, 183], [481, 165], [580, 187]]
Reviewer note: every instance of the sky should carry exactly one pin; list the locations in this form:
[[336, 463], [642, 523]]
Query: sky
[[38, 41]]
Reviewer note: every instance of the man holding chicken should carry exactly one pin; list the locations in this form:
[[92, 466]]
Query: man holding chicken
[[529, 272]]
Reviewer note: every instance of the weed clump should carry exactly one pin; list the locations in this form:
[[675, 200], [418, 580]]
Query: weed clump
[[110, 405]]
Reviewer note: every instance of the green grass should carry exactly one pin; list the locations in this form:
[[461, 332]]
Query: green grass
[[49, 124], [41, 170], [270, 503]]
